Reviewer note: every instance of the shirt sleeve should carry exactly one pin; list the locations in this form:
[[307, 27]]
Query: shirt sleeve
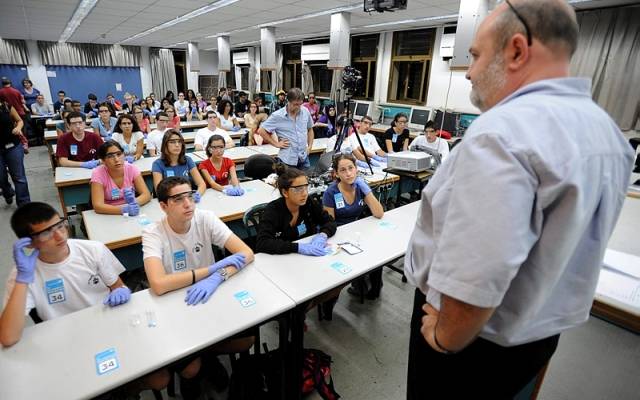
[[157, 166], [62, 150], [190, 163], [220, 232], [266, 240], [270, 124], [97, 175], [152, 242], [109, 267], [95, 123], [309, 120], [134, 172], [327, 198], [199, 139], [494, 224]]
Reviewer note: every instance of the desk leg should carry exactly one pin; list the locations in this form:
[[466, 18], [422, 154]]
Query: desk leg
[[283, 328], [64, 207], [296, 352]]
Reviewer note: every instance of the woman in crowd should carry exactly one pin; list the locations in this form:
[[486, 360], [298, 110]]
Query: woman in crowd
[[201, 103], [194, 112], [396, 138], [29, 92], [181, 106], [213, 105], [115, 183], [218, 171], [191, 95], [105, 123], [228, 121], [141, 118], [174, 162], [127, 134], [174, 120], [170, 97], [152, 110], [128, 104], [328, 120], [252, 121]]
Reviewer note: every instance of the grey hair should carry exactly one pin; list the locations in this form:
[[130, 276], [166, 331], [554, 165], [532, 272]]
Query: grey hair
[[295, 94]]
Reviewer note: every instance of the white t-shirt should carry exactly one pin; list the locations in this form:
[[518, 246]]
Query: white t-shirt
[[368, 141], [209, 108], [203, 135], [187, 251], [131, 147], [227, 123], [154, 140], [80, 281], [440, 145], [346, 146]]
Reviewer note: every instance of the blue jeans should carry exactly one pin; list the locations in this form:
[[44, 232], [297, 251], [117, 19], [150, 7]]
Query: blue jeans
[[301, 165], [13, 160]]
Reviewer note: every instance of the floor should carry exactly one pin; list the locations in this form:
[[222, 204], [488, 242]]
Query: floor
[[368, 342]]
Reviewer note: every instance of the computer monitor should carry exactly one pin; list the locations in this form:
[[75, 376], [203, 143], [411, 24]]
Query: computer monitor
[[361, 110], [419, 117]]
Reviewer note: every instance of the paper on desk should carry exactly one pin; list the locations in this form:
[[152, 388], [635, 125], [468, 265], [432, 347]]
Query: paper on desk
[[623, 262], [619, 287]]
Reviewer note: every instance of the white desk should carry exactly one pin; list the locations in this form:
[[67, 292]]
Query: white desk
[[56, 359], [303, 277], [267, 149], [116, 231], [319, 145], [238, 154]]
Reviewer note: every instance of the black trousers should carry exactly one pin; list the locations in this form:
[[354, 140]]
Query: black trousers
[[481, 370]]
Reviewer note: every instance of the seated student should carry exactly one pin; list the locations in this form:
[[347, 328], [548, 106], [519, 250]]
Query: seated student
[[371, 146], [67, 263], [60, 102], [345, 201], [151, 110], [242, 105], [228, 121], [174, 120], [117, 106], [154, 139], [213, 105], [181, 106], [76, 106], [431, 140], [127, 133], [40, 107], [177, 253], [128, 104], [174, 162], [396, 138], [66, 106], [203, 134], [252, 119], [63, 126], [194, 113], [91, 106], [313, 107], [105, 123], [115, 177], [79, 147], [328, 121], [141, 119], [345, 147], [202, 104], [219, 171]]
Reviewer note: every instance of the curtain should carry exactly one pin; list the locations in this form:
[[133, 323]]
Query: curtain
[[13, 51], [89, 54], [253, 81], [238, 74], [277, 74], [336, 95], [163, 72], [307, 79], [609, 54], [222, 80]]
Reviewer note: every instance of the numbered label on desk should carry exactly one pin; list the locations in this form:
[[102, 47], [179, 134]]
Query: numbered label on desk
[[107, 361], [341, 267], [387, 225], [245, 299]]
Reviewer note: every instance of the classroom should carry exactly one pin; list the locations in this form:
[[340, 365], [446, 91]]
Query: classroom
[[292, 199]]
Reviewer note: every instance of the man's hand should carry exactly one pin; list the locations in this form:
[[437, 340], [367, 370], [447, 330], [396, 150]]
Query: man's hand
[[16, 131], [429, 326], [282, 144]]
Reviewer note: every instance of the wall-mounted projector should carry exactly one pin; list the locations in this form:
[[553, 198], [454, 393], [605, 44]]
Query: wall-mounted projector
[[384, 5]]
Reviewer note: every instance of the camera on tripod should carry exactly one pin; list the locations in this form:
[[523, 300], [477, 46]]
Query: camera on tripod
[[351, 80]]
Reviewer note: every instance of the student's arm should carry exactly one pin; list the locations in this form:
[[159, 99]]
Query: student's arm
[[266, 135], [405, 143], [139, 149], [144, 195], [197, 179], [229, 143], [374, 205], [326, 223], [161, 282], [96, 131], [98, 203], [12, 318], [389, 145], [309, 140], [381, 153], [17, 121], [209, 180], [65, 162], [331, 211], [235, 245], [157, 177], [357, 153], [234, 176], [235, 122], [198, 147], [118, 283]]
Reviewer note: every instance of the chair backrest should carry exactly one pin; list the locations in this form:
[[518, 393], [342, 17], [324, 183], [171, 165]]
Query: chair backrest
[[258, 166], [244, 139], [251, 219]]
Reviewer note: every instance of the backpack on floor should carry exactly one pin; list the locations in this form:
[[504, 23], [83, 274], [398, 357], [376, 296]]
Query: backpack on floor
[[316, 374]]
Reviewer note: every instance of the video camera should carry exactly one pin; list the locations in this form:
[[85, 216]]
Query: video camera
[[351, 80]]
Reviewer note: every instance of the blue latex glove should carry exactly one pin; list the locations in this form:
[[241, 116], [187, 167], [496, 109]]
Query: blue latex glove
[[310, 249], [129, 159], [235, 260], [362, 164], [362, 185], [197, 197], [379, 158], [25, 264], [91, 164], [320, 240], [235, 128], [234, 191], [131, 209], [118, 296], [200, 291], [374, 162], [129, 195]]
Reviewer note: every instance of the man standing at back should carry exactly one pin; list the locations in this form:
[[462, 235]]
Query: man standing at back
[[513, 226]]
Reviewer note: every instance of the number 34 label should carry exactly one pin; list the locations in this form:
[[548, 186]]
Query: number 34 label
[[244, 298], [107, 361]]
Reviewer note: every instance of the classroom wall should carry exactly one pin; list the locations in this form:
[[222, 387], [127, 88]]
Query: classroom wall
[[208, 62], [77, 82]]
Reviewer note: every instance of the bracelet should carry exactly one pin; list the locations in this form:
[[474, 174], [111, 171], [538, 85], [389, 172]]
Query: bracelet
[[193, 276], [435, 339]]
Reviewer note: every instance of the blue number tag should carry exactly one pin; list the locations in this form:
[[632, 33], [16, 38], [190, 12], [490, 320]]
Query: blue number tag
[[115, 194], [249, 190], [179, 260], [341, 267], [143, 220], [394, 138], [169, 173], [107, 361], [244, 298], [386, 225], [302, 229], [55, 291], [339, 199], [74, 149]]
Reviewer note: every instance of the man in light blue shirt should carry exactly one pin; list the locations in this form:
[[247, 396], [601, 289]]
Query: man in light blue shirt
[[512, 228], [294, 127]]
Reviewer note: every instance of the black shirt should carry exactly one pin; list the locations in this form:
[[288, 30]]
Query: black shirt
[[275, 234], [6, 128], [240, 107], [398, 144]]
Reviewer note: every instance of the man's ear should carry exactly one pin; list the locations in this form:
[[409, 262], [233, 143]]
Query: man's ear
[[517, 52]]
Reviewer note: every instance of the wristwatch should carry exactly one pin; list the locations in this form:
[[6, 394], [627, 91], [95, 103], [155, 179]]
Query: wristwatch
[[223, 273]]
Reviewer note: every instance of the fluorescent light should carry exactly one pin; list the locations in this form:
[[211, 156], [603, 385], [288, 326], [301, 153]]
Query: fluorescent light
[[186, 17], [412, 21], [292, 19], [81, 12]]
